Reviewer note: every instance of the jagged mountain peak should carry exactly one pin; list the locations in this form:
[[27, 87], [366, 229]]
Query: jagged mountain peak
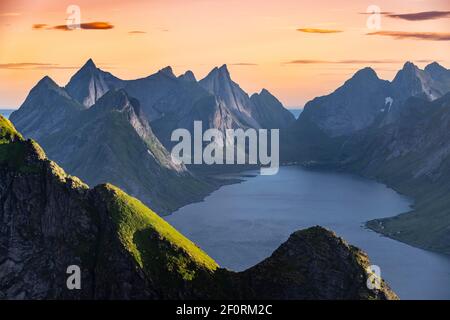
[[408, 70], [89, 83], [46, 85], [363, 78], [218, 72], [409, 66], [224, 69], [269, 111], [89, 64], [265, 92], [219, 83], [365, 73], [438, 72], [117, 99], [46, 81], [434, 66], [89, 67], [167, 71], [188, 76], [413, 81]]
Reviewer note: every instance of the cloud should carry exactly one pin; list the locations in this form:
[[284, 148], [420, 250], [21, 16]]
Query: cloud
[[136, 32], [9, 14], [400, 35], [315, 30], [244, 64], [418, 16], [96, 25], [373, 12], [32, 66], [39, 25], [351, 61], [307, 61]]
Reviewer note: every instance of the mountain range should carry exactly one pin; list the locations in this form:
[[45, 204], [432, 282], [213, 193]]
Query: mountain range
[[104, 129], [51, 220], [392, 131], [170, 102]]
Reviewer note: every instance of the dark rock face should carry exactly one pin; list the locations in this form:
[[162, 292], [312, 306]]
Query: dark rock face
[[313, 264], [269, 112], [350, 108], [46, 109], [90, 83], [188, 76], [125, 251], [218, 82]]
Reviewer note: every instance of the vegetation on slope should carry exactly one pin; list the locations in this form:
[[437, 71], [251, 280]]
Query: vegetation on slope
[[156, 246], [7, 131]]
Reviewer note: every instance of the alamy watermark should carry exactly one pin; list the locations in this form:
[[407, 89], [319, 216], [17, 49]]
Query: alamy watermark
[[73, 21], [73, 281], [374, 277], [236, 146]]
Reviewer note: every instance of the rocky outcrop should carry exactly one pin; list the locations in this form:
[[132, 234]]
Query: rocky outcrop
[[50, 220], [313, 264]]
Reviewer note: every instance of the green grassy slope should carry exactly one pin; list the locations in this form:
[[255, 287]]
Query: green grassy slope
[[132, 217]]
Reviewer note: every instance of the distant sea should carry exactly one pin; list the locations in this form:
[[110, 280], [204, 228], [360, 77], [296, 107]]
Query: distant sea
[[6, 112], [296, 112]]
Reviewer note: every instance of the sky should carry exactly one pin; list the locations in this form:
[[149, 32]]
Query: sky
[[296, 49]]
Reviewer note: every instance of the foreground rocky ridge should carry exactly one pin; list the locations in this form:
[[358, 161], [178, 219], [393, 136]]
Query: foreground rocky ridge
[[50, 220]]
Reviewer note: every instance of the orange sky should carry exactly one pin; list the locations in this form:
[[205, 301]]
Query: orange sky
[[257, 39]]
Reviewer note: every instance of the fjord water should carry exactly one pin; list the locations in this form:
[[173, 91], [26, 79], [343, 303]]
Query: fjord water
[[241, 224]]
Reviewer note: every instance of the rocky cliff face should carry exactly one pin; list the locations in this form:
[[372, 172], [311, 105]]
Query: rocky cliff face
[[51, 220], [90, 83], [362, 103], [352, 107], [313, 264], [218, 82]]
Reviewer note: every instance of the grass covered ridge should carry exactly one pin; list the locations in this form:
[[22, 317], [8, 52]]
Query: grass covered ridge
[[8, 132], [155, 245], [13, 147]]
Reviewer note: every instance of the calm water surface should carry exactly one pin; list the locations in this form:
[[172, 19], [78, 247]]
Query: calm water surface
[[241, 224]]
